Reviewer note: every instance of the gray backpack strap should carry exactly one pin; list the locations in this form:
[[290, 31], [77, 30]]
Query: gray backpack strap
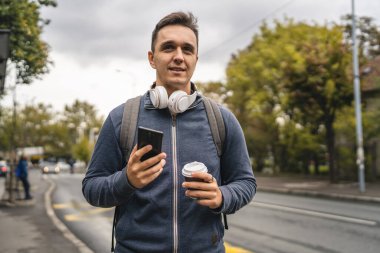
[[127, 136], [128, 125], [216, 122], [218, 131]]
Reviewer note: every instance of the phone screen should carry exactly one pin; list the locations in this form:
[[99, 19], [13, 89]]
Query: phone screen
[[146, 136]]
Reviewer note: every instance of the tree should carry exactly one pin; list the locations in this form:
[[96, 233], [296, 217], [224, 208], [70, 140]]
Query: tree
[[57, 132], [296, 69], [368, 36], [29, 52], [80, 117], [83, 149]]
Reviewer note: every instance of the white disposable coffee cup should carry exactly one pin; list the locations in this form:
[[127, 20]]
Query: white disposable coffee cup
[[192, 167]]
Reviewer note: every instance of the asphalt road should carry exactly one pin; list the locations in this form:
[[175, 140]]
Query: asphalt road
[[273, 223], [276, 223]]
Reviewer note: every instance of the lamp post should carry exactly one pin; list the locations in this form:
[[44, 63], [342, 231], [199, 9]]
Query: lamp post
[[4, 54], [358, 113]]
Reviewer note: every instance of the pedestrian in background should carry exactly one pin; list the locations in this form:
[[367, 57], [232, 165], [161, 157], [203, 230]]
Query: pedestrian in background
[[22, 175]]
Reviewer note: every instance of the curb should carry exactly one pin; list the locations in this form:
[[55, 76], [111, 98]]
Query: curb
[[59, 224], [321, 194]]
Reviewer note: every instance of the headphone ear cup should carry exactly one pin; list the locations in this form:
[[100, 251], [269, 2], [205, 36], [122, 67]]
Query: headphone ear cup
[[178, 102], [159, 97]]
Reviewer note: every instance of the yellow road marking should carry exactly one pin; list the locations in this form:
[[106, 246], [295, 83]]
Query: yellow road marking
[[84, 214], [232, 249], [75, 205]]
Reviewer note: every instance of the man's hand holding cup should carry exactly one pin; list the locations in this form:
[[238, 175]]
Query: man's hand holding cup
[[201, 185]]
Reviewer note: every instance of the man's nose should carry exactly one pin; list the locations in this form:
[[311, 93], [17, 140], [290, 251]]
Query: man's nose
[[178, 57]]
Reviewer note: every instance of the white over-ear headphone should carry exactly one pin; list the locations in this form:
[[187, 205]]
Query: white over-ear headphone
[[178, 101]]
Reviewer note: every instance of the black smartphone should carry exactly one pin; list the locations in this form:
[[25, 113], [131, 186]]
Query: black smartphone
[[146, 136]]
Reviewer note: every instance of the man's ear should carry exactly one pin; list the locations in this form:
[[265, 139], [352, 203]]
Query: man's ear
[[151, 59]]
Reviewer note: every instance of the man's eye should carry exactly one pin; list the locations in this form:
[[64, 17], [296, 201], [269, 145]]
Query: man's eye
[[188, 50], [168, 47]]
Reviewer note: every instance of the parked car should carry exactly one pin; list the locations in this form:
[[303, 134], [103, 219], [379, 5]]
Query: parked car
[[4, 168], [63, 166], [49, 167], [79, 167]]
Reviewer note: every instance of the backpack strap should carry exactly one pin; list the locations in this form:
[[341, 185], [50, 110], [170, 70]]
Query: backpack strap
[[128, 125], [218, 131], [216, 122], [127, 136]]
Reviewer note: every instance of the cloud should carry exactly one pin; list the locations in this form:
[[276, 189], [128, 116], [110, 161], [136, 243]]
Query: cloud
[[91, 39], [97, 31]]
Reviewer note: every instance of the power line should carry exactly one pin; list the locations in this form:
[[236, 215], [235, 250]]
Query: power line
[[249, 27]]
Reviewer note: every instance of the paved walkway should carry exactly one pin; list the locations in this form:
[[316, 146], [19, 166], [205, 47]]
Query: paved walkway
[[318, 187], [26, 226]]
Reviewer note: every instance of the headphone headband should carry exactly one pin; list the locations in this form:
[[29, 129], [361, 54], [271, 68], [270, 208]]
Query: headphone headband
[[178, 101]]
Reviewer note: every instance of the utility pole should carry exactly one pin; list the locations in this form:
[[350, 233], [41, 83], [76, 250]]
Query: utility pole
[[4, 54], [358, 113], [13, 149]]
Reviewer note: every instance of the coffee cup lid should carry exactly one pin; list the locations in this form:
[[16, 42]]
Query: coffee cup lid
[[193, 167]]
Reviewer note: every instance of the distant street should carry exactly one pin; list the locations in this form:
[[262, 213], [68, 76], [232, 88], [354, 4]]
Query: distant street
[[273, 223]]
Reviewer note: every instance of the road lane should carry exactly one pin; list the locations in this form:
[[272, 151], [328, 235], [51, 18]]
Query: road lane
[[291, 225], [345, 208], [315, 213]]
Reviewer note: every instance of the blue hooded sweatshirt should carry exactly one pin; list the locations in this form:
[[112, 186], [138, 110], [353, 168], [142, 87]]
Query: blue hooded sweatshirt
[[159, 217]]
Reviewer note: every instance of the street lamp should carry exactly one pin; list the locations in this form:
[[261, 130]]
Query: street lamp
[[358, 113], [4, 54]]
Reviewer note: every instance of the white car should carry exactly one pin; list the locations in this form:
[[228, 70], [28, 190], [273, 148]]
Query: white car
[[49, 167], [63, 166]]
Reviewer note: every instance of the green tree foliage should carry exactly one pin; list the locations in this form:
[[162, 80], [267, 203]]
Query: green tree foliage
[[6, 128], [81, 118], [288, 87], [295, 70], [83, 149], [62, 134], [29, 52], [368, 36]]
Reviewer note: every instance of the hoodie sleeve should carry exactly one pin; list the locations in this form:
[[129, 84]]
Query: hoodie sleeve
[[105, 183], [239, 184]]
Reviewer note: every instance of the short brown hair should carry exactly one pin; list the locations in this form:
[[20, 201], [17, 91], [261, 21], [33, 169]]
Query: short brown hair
[[176, 18]]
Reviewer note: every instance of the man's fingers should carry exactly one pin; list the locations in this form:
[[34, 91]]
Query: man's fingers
[[151, 174], [132, 153], [153, 160], [201, 194], [153, 170], [140, 152], [204, 176], [199, 186]]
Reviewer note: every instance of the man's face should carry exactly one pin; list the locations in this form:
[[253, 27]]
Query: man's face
[[174, 58]]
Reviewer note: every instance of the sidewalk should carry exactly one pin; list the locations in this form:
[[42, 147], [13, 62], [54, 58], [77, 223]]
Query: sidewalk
[[26, 227], [308, 186]]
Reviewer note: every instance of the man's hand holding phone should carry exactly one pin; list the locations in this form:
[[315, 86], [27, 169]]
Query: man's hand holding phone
[[146, 161]]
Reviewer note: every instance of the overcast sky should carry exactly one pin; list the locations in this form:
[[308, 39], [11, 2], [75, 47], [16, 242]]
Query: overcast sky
[[99, 48]]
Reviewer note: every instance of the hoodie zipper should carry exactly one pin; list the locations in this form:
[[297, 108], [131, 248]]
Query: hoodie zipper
[[175, 185]]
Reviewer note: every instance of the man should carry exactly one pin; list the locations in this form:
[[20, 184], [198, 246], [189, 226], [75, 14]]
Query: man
[[157, 210]]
